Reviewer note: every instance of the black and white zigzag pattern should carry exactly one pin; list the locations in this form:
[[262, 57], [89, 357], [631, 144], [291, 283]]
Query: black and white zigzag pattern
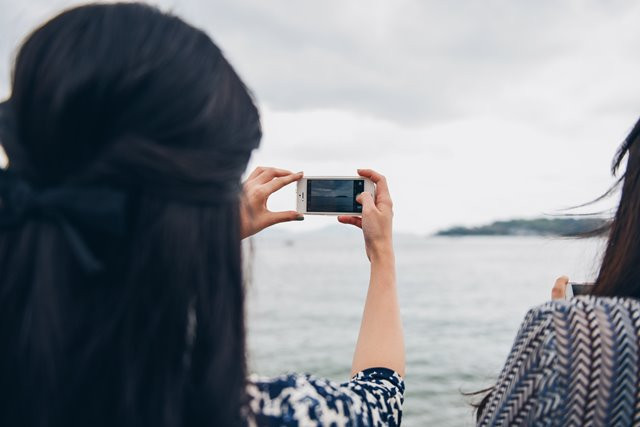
[[573, 363]]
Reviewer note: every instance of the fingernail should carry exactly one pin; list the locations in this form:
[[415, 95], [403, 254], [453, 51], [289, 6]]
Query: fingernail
[[300, 218]]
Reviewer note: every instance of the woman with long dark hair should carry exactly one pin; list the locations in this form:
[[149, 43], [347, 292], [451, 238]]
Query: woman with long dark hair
[[577, 362], [121, 217]]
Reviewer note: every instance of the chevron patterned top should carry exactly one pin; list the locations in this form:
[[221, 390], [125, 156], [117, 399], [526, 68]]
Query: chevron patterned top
[[573, 363]]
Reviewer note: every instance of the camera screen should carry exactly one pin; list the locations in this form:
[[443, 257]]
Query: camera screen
[[334, 195]]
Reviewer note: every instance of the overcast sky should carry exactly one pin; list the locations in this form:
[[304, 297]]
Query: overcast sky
[[475, 111]]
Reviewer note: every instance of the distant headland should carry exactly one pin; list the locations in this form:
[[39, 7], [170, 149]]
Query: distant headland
[[529, 227]]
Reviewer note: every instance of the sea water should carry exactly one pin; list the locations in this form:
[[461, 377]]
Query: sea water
[[462, 300]]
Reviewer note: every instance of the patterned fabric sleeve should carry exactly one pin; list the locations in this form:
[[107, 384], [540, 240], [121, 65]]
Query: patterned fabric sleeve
[[572, 363], [527, 388], [373, 397]]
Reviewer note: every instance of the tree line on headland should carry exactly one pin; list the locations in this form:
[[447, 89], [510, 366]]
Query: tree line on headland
[[530, 227]]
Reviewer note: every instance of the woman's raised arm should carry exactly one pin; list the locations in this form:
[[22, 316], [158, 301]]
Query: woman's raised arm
[[380, 342]]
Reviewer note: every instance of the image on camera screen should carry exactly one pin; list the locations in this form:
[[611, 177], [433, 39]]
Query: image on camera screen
[[334, 195]]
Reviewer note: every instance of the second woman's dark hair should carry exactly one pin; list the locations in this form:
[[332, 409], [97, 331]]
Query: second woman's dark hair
[[619, 273], [127, 97]]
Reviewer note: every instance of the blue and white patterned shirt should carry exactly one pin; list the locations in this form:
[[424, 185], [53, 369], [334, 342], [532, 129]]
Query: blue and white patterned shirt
[[373, 397], [573, 363]]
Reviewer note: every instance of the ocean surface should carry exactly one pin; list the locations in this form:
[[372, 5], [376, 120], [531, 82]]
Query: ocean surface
[[462, 300]]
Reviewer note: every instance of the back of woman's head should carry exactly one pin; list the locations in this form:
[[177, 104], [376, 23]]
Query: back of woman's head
[[124, 99]]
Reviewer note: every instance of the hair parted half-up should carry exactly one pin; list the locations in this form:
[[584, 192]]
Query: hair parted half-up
[[130, 98]]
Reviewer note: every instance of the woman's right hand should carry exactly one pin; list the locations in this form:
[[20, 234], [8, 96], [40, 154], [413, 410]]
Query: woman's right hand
[[377, 217]]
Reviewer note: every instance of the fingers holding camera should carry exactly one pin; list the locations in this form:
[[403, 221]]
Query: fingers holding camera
[[366, 200], [267, 174], [559, 290], [261, 184], [266, 171], [377, 217], [257, 171], [383, 196], [279, 181], [353, 220], [284, 216], [357, 220]]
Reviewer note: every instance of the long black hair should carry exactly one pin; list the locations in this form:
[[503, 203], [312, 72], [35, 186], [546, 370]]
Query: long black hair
[[619, 274], [127, 97]]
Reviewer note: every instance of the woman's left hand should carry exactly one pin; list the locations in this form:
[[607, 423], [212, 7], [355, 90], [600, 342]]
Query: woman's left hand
[[261, 184], [559, 290]]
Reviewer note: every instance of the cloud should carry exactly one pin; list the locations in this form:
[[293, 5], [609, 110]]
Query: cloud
[[420, 62], [475, 110], [411, 61]]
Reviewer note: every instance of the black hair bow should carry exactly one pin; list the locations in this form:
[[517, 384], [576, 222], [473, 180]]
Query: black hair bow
[[70, 207]]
